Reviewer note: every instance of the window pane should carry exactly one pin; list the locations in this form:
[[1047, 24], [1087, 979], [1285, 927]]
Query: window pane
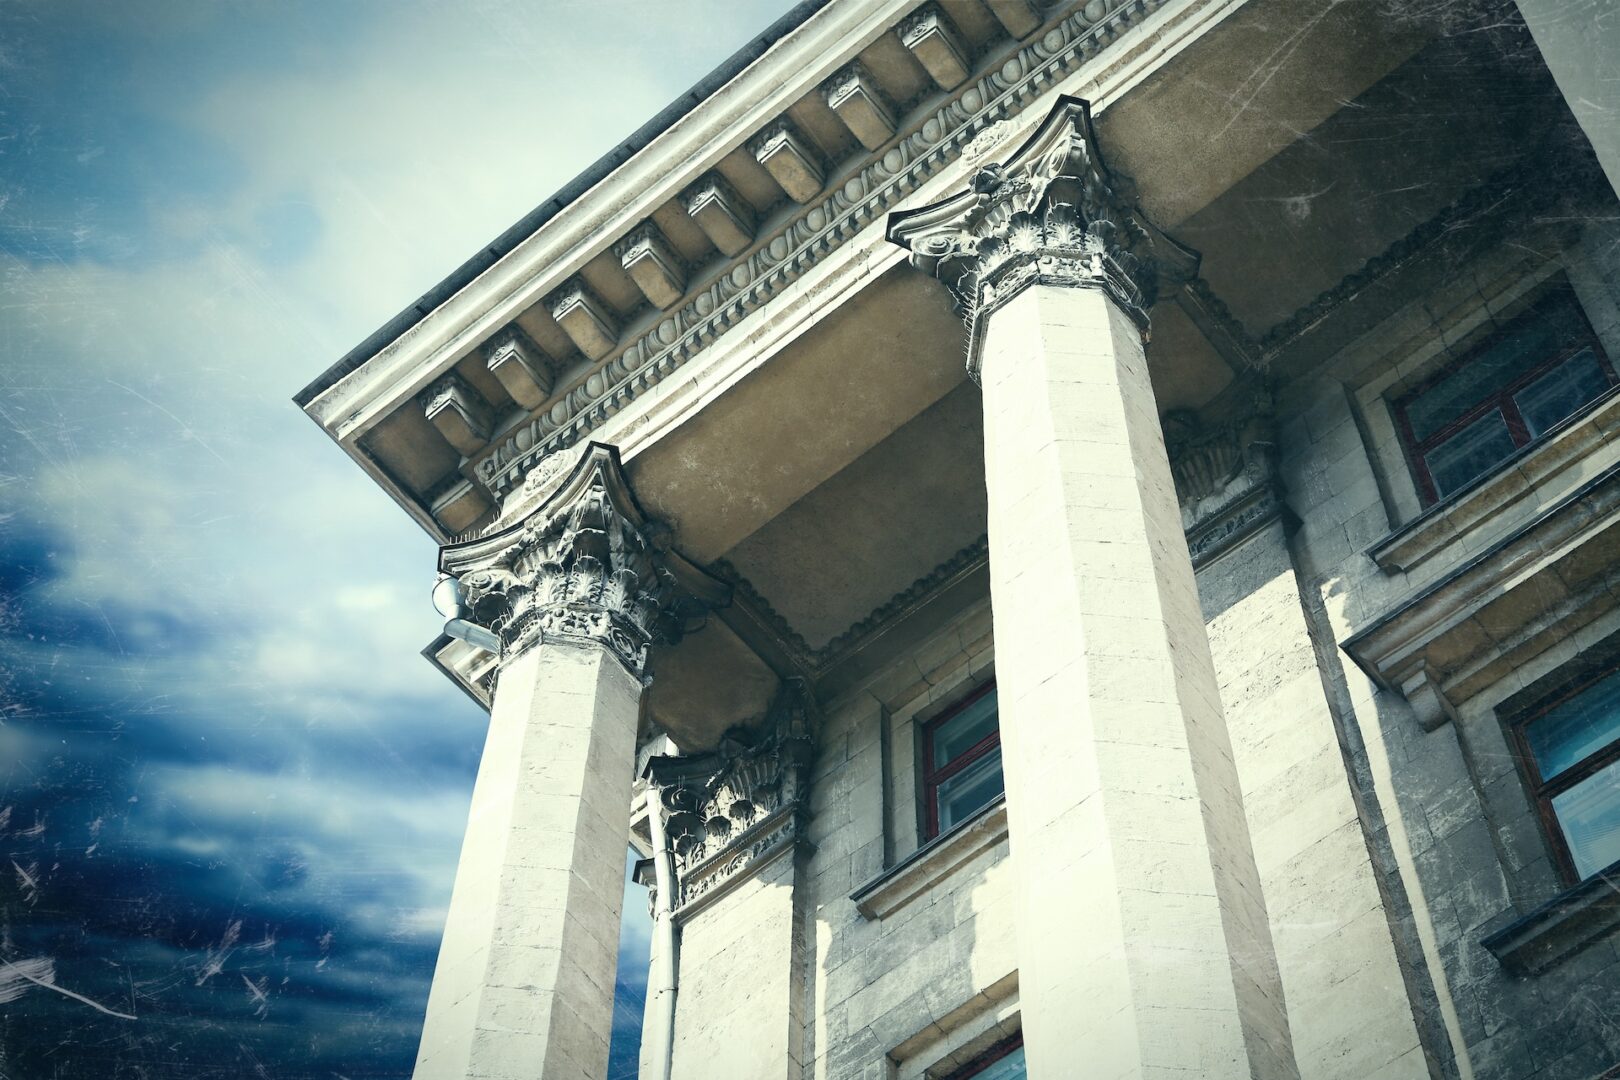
[[965, 730], [1010, 1067], [1561, 391], [969, 789], [1576, 728], [1554, 326], [1470, 452], [1590, 815], [1451, 398]]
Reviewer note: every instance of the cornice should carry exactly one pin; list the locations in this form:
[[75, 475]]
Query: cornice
[[747, 283], [627, 195], [931, 142]]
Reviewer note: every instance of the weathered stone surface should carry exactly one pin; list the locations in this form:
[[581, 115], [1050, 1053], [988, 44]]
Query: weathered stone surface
[[791, 160], [933, 39], [524, 983], [861, 104], [1124, 804], [522, 367]]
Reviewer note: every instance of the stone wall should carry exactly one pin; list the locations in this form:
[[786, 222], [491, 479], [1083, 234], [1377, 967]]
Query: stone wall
[[1450, 824]]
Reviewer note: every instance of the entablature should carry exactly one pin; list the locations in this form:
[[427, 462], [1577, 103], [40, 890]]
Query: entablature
[[776, 170]]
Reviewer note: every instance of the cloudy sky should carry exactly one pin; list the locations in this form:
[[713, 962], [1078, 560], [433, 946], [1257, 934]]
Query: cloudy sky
[[231, 793]]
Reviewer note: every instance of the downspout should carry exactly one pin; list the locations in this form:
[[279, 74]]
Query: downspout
[[661, 979]]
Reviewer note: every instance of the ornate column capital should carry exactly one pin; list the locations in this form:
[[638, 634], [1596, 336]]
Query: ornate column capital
[[731, 810], [1224, 464], [587, 565], [1051, 214]]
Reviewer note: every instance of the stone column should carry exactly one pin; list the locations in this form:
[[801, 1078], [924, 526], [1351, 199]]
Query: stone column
[[1143, 943], [1580, 43], [736, 818], [577, 594], [1350, 1007]]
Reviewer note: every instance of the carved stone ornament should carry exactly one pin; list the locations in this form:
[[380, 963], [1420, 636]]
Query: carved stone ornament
[[1052, 214], [1225, 474], [586, 566], [932, 140], [728, 811]]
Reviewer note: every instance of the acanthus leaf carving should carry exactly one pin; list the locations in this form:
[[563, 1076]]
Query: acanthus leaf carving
[[586, 565], [1225, 471], [727, 809], [1051, 214]]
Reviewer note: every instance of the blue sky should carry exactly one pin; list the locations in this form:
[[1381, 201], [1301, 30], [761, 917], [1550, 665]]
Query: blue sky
[[231, 793]]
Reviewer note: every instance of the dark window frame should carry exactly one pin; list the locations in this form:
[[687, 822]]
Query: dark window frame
[[1416, 450], [931, 777], [986, 1059], [1542, 792]]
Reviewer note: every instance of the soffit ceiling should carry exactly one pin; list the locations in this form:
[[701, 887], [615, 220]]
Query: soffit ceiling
[[1459, 111]]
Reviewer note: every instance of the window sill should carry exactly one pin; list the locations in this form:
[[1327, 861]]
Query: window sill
[[930, 864], [1559, 928], [1502, 607], [1481, 503]]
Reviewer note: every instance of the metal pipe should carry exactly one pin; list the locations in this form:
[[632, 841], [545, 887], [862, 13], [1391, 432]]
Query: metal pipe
[[662, 976]]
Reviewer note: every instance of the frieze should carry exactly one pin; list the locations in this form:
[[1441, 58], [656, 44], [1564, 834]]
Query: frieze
[[814, 660], [747, 283], [1519, 192]]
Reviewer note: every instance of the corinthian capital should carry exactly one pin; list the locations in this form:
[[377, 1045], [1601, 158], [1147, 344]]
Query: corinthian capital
[[586, 566], [1050, 214], [731, 810]]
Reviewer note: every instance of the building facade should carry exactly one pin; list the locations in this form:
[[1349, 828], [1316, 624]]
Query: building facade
[[1073, 537]]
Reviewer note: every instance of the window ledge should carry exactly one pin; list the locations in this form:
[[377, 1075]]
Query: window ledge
[[1482, 502], [936, 860], [1501, 608], [1561, 927]]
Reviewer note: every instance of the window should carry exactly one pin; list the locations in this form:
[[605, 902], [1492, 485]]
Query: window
[[1003, 1061], [1503, 395], [1570, 746], [961, 756]]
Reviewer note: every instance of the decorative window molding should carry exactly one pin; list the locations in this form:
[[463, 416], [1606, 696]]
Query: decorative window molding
[[997, 1060], [1565, 730], [920, 872], [1509, 603], [1517, 479], [1484, 295]]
